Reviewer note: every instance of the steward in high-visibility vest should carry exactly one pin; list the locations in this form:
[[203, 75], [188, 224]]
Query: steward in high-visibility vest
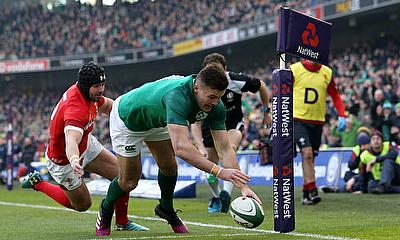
[[382, 165]]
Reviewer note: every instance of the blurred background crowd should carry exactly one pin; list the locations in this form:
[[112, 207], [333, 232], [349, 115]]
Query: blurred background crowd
[[367, 74], [33, 31]]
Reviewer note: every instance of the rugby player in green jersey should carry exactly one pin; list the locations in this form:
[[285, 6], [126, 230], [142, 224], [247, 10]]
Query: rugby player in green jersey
[[160, 113]]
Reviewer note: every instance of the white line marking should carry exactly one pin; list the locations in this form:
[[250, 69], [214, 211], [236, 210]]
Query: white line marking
[[296, 234], [187, 236]]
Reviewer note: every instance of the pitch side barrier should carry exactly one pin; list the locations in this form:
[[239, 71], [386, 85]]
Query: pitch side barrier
[[330, 166]]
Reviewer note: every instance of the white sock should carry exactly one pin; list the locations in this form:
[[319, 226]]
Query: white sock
[[228, 187]]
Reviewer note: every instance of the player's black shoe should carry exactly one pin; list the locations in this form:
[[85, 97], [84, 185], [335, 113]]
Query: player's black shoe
[[306, 200], [315, 198]]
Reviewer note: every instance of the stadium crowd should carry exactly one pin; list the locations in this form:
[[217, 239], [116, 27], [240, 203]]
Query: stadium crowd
[[35, 31], [366, 75]]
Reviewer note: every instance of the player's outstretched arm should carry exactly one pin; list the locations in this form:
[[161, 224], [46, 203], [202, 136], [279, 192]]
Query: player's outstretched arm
[[224, 149], [184, 149], [73, 137], [198, 138], [228, 158]]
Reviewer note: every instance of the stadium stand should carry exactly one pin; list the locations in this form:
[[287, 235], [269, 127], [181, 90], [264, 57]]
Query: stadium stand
[[79, 28], [373, 70], [367, 72]]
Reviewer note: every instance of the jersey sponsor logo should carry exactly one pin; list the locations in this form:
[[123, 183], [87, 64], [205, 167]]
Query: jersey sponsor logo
[[69, 181], [309, 97], [201, 115], [130, 148]]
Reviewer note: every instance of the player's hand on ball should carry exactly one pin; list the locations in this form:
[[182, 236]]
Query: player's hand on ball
[[76, 165], [238, 178], [247, 192]]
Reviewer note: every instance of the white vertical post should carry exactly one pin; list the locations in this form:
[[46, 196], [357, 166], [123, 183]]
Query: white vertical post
[[282, 61]]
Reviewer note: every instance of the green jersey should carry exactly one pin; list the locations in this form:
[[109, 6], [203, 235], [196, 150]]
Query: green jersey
[[169, 100]]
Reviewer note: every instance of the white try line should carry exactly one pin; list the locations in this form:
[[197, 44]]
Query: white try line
[[254, 231], [185, 236]]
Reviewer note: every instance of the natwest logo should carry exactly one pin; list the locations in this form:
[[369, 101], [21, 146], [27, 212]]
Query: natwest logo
[[309, 35], [286, 170], [286, 89], [275, 89]]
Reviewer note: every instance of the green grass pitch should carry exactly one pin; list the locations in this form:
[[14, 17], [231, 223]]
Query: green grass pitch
[[25, 214]]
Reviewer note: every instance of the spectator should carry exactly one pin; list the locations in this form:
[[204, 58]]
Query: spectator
[[377, 109], [79, 28], [389, 118], [383, 164], [349, 135], [354, 182], [28, 155], [395, 127], [363, 114]]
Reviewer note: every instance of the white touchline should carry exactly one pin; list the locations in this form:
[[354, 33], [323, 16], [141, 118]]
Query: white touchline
[[296, 234], [185, 236]]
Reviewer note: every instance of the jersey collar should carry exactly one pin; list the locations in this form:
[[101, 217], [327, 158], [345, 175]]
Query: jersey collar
[[310, 66]]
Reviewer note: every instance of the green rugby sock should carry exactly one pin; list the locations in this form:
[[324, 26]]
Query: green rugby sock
[[167, 186], [114, 193]]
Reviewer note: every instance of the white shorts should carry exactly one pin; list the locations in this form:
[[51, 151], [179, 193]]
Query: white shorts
[[64, 175], [128, 143]]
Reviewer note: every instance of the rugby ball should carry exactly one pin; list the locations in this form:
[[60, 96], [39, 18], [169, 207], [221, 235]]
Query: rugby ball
[[247, 212]]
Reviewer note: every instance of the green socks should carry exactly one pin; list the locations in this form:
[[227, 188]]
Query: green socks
[[114, 192], [167, 186]]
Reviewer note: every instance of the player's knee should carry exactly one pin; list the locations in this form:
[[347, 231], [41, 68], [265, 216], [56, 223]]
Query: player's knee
[[128, 185], [235, 147], [307, 155], [308, 158]]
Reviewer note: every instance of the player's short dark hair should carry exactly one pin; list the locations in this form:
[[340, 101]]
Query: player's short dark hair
[[90, 74], [214, 58], [214, 77]]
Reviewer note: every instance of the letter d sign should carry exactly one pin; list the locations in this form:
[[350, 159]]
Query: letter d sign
[[310, 96]]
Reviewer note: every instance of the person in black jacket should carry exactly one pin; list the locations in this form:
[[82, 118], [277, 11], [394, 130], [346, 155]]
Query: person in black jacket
[[28, 155]]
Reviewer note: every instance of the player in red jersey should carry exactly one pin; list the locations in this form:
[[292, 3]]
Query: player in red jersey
[[72, 148]]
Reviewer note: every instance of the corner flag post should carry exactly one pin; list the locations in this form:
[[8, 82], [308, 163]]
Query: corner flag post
[[282, 148], [306, 37]]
